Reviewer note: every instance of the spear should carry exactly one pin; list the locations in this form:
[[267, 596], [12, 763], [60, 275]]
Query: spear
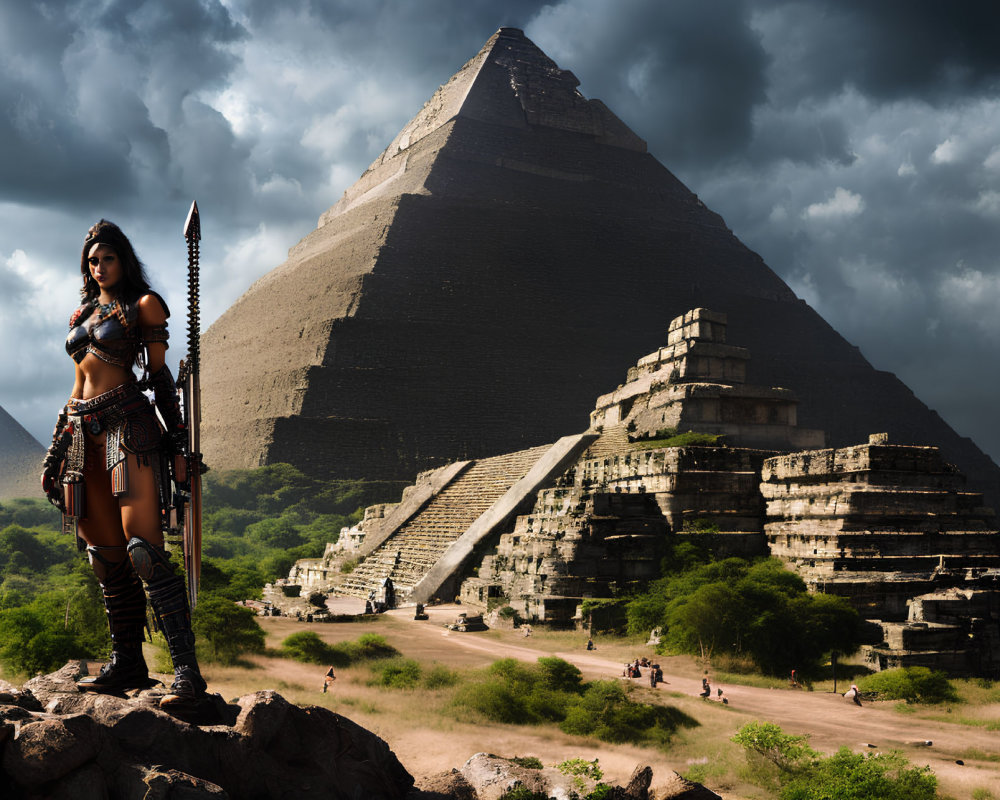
[[192, 411]]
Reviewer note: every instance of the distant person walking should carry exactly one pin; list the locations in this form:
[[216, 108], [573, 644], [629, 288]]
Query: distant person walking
[[853, 694]]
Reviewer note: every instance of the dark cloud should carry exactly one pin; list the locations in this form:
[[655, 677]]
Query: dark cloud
[[687, 74], [889, 50], [851, 143], [92, 93]]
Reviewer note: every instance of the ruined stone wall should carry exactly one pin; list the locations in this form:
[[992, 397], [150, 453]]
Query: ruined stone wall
[[877, 523], [606, 543]]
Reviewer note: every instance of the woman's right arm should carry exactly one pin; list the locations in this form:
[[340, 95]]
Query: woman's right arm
[[53, 463]]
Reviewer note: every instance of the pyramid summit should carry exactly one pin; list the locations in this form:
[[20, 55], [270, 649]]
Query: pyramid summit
[[493, 271]]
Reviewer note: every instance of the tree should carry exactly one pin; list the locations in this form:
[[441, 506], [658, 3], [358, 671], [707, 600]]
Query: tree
[[30, 643], [758, 609], [275, 532], [224, 630]]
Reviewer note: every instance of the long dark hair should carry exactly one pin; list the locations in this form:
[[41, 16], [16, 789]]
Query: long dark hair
[[133, 283]]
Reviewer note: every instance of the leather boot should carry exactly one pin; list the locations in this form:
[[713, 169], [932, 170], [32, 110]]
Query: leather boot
[[168, 597], [125, 606]]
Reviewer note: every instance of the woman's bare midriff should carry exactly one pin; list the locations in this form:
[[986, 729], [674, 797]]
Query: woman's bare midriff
[[100, 377]]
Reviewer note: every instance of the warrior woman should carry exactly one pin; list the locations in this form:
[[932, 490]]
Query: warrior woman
[[110, 461]]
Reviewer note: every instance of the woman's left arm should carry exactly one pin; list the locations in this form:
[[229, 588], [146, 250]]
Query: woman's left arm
[[152, 325]]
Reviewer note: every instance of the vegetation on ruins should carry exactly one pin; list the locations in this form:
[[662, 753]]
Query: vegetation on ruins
[[552, 690], [786, 764], [911, 684], [671, 437], [750, 608]]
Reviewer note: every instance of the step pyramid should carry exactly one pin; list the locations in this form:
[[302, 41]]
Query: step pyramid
[[20, 460], [494, 270]]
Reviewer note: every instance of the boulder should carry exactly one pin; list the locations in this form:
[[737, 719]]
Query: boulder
[[57, 742]]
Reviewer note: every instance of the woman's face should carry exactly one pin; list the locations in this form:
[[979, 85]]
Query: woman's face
[[105, 266]]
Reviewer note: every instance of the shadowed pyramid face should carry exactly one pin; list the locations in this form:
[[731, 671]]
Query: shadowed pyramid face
[[20, 459], [498, 267]]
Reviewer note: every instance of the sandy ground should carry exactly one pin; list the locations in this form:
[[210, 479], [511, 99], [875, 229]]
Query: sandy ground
[[829, 719]]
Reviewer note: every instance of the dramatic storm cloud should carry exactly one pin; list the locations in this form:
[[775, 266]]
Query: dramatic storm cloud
[[852, 144]]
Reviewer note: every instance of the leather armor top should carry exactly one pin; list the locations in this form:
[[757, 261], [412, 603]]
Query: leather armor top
[[114, 337]]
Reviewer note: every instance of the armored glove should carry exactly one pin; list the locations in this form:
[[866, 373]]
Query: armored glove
[[53, 463], [167, 403]]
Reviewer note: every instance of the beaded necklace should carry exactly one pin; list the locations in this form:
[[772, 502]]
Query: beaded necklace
[[105, 309]]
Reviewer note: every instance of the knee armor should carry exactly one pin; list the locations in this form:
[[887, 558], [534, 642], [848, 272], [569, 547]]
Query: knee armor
[[151, 563], [168, 597]]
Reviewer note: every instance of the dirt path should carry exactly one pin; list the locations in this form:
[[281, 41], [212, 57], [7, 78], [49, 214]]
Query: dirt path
[[830, 720]]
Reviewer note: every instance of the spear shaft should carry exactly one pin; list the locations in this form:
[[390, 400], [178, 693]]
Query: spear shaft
[[192, 409]]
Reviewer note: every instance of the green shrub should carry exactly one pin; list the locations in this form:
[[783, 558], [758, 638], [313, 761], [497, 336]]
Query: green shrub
[[224, 630], [307, 647], [497, 703], [528, 762], [862, 776], [368, 647], [802, 774], [522, 792], [371, 645], [440, 677], [559, 675], [397, 673], [607, 713], [581, 771], [766, 740], [912, 684]]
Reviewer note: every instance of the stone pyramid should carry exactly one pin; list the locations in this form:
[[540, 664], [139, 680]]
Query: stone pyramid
[[497, 268], [20, 460]]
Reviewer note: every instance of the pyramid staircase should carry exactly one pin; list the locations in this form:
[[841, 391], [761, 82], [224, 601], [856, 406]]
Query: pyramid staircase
[[613, 441], [409, 552]]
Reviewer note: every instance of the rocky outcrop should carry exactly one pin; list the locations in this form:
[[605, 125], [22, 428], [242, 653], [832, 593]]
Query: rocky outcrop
[[60, 743], [57, 743], [489, 777]]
